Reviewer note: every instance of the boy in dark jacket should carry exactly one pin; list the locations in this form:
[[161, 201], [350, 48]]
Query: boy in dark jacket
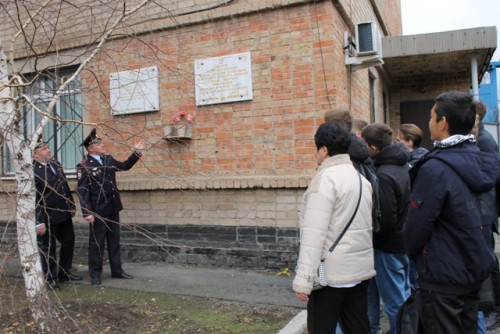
[[391, 261], [444, 230]]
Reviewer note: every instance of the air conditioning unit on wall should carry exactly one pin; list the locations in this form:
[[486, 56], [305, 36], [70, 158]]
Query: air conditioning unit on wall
[[367, 38], [367, 51]]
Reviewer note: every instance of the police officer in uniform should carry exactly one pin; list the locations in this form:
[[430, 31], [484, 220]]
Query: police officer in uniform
[[55, 209], [100, 202]]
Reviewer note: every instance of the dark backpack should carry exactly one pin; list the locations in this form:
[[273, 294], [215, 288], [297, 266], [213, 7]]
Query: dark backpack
[[365, 170], [407, 319]]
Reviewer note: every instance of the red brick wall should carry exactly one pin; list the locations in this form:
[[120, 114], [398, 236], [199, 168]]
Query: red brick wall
[[297, 75]]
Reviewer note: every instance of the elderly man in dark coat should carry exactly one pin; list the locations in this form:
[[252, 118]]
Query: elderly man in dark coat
[[55, 209]]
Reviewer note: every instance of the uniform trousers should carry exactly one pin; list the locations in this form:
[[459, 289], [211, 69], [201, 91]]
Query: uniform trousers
[[105, 230], [328, 306], [65, 234]]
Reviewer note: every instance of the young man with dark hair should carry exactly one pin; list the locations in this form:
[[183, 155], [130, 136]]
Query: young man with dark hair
[[391, 261], [447, 229], [358, 153], [358, 125], [357, 150], [341, 117]]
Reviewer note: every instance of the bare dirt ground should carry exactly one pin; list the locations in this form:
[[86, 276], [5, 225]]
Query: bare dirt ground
[[87, 309]]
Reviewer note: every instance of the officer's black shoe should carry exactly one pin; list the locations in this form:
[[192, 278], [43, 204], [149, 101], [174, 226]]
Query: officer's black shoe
[[52, 285], [95, 281], [68, 276], [123, 275]]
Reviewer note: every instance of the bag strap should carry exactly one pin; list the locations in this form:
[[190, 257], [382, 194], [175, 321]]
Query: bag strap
[[349, 223]]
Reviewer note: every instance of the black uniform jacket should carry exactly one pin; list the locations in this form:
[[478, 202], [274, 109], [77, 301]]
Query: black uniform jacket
[[54, 202], [97, 187]]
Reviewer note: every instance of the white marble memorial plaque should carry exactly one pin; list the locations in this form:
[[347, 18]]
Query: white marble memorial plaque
[[223, 79], [134, 91]]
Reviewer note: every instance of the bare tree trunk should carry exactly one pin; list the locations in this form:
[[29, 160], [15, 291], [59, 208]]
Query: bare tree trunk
[[41, 307], [42, 310]]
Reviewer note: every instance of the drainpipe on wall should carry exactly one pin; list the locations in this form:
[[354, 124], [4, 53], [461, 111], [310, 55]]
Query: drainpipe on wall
[[475, 80]]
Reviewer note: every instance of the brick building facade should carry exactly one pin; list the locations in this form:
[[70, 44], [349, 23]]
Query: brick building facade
[[229, 195]]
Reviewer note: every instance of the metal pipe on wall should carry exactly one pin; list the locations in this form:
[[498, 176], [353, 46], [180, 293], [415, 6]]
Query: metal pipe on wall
[[475, 80]]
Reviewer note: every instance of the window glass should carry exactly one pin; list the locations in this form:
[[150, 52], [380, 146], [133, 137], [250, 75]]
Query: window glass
[[64, 136], [70, 133]]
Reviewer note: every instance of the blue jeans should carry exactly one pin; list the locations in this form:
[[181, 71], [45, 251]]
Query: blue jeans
[[393, 285], [481, 325]]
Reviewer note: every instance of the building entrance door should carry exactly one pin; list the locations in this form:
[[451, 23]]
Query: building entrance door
[[418, 113]]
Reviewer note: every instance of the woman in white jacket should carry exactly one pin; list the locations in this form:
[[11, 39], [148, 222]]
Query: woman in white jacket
[[327, 207]]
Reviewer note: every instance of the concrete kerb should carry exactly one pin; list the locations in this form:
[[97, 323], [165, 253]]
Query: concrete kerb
[[297, 325]]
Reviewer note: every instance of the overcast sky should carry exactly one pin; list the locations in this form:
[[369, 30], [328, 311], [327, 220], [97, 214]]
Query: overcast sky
[[425, 16]]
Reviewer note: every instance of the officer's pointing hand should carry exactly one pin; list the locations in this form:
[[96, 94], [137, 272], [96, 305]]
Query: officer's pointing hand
[[140, 145]]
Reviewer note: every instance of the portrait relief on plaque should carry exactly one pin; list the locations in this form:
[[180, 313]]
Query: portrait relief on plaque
[[134, 91]]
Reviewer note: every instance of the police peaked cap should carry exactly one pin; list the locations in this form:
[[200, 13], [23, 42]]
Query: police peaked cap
[[39, 143], [91, 139]]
